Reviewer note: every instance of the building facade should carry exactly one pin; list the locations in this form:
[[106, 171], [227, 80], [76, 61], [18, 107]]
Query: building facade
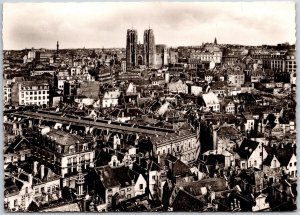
[[140, 54], [34, 93]]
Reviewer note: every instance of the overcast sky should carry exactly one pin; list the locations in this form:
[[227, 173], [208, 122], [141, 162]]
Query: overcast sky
[[94, 25]]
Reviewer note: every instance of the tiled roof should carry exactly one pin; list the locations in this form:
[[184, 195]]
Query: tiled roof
[[246, 148]]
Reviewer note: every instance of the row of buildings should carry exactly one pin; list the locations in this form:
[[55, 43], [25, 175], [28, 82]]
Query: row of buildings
[[207, 128]]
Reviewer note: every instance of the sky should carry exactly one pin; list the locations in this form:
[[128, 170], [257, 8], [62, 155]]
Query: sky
[[97, 25]]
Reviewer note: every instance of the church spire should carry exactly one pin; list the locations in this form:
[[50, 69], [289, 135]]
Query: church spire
[[215, 42]]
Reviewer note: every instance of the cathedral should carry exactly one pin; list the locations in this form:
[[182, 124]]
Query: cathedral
[[142, 54]]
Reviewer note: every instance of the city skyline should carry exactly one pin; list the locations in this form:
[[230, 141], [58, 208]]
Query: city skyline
[[97, 25]]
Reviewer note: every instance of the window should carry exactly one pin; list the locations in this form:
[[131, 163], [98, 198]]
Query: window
[[153, 177], [15, 202], [141, 186], [85, 147], [255, 163], [71, 149], [129, 196], [295, 163], [291, 164]]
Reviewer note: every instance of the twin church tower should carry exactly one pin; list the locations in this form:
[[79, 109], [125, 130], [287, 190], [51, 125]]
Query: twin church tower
[[140, 54]]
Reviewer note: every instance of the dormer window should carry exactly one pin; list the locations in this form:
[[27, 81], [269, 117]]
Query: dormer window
[[59, 149], [71, 149], [84, 147]]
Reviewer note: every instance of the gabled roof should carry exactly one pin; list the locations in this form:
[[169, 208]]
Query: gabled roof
[[247, 147], [108, 177], [284, 155], [10, 187], [268, 160], [196, 188], [178, 167], [122, 176], [184, 201], [20, 143]]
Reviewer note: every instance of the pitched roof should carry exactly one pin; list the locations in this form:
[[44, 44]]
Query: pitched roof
[[108, 177], [10, 188], [65, 138], [20, 143], [122, 176], [186, 202], [284, 155], [246, 148], [196, 188]]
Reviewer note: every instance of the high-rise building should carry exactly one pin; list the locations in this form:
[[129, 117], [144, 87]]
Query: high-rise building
[[149, 48], [131, 48]]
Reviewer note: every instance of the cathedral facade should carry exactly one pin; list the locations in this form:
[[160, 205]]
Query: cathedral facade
[[140, 54]]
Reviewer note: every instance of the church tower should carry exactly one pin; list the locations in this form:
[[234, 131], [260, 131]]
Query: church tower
[[57, 47], [149, 48], [131, 48], [215, 42]]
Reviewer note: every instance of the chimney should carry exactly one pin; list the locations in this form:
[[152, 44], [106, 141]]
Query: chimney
[[42, 171], [35, 163], [30, 179]]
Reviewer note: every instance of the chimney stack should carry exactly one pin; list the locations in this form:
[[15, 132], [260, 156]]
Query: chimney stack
[[35, 163], [30, 179], [42, 171]]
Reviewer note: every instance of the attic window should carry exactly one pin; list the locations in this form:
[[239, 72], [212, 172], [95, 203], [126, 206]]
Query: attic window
[[71, 149]]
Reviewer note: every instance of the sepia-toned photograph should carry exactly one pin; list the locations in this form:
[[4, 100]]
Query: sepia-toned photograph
[[149, 107]]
